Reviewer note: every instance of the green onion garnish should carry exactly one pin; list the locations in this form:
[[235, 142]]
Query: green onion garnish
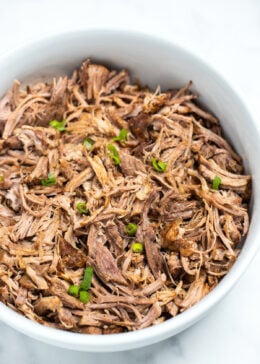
[[88, 143], [84, 296], [114, 155], [131, 229], [1, 179], [121, 136], [158, 166], [51, 180], [86, 283], [216, 183], [137, 247], [82, 208], [58, 125], [82, 290], [73, 290]]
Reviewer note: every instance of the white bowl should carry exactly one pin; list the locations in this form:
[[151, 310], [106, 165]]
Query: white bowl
[[154, 62]]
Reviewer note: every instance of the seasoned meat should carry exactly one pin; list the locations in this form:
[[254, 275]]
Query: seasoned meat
[[12, 143], [106, 267], [130, 165], [120, 206], [139, 126], [116, 80], [70, 256], [93, 78], [47, 304], [209, 169], [153, 254], [115, 238]]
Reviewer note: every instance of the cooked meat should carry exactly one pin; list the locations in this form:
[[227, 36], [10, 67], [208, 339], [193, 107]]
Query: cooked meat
[[138, 185], [14, 118], [153, 314], [70, 256], [47, 304], [59, 288], [105, 265], [196, 292], [13, 143], [115, 239], [116, 80], [130, 165], [205, 115], [153, 254], [209, 169], [55, 105], [93, 78], [139, 126], [67, 319], [40, 170], [39, 281]]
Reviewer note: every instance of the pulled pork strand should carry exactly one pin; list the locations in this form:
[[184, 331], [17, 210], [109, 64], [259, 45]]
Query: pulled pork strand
[[115, 155]]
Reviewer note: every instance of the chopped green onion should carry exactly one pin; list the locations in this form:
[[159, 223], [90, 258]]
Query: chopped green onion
[[137, 247], [73, 290], [51, 180], [84, 296], [121, 136], [158, 166], [82, 290], [1, 179], [88, 143], [82, 208], [86, 283], [114, 155], [131, 229], [216, 183], [59, 125]]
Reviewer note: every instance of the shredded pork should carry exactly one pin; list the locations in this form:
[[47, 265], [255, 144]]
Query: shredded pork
[[190, 232]]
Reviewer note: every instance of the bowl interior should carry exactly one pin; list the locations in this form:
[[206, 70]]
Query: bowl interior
[[154, 62]]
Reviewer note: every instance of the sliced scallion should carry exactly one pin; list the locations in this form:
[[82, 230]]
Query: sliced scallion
[[84, 296], [58, 125], [82, 208], [137, 247], [73, 290], [121, 136], [114, 155], [88, 143], [216, 183], [86, 283], [131, 229], [51, 180], [158, 166]]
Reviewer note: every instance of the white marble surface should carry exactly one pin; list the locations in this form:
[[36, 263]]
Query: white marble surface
[[227, 34]]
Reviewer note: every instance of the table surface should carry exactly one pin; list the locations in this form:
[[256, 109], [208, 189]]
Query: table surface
[[227, 35]]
